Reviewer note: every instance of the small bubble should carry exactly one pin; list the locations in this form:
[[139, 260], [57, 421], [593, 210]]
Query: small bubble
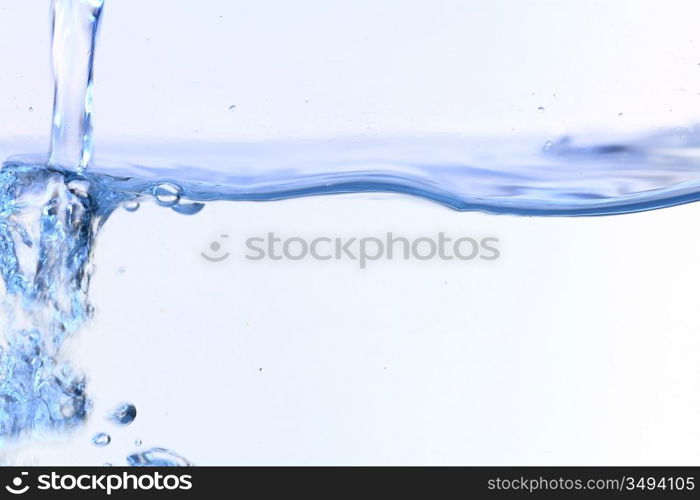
[[166, 194], [121, 270], [540, 108], [619, 114], [131, 206], [123, 414], [137, 442], [101, 439], [215, 246], [31, 109], [68, 409], [547, 146], [232, 107]]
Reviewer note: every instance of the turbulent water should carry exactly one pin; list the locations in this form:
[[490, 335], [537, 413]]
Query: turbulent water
[[52, 206]]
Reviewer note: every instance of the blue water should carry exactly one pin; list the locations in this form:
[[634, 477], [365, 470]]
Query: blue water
[[53, 205], [569, 176]]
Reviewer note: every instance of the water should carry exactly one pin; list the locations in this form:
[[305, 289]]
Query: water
[[101, 439], [75, 25], [53, 206], [156, 457], [123, 414]]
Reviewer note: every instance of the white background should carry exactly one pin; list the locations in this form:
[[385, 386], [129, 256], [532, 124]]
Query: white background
[[578, 346]]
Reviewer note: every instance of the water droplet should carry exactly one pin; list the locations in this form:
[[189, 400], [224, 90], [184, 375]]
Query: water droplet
[[137, 442], [188, 208], [131, 206], [167, 194], [540, 108], [231, 107], [619, 114], [31, 109], [547, 146], [101, 439], [156, 457], [123, 414]]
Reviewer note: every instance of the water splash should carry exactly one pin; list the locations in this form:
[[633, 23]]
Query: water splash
[[48, 221], [49, 215]]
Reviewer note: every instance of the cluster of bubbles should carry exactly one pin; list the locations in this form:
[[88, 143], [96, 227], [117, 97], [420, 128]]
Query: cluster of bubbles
[[168, 195], [124, 414]]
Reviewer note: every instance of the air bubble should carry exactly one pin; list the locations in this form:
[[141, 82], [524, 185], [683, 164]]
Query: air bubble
[[131, 206], [123, 414], [166, 194], [68, 409], [101, 439]]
